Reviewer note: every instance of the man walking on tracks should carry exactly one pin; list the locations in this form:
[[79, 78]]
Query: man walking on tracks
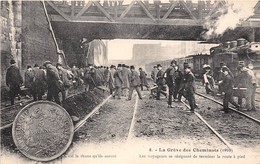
[[178, 81], [55, 85], [13, 80], [125, 76], [154, 73], [250, 83], [134, 83], [39, 83], [189, 87], [143, 79], [111, 79], [28, 80], [227, 85], [118, 81], [170, 81], [65, 78], [160, 81]]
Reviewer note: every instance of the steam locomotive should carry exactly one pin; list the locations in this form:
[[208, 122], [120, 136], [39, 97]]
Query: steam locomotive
[[231, 53]]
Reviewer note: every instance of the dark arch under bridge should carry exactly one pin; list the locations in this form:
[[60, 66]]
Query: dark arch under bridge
[[175, 20]]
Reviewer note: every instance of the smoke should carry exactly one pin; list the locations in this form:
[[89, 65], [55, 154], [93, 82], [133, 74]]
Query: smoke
[[229, 17]]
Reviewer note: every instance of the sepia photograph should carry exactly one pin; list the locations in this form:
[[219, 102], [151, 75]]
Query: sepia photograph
[[130, 81]]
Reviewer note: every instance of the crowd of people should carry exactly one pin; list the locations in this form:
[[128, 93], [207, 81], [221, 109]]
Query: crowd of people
[[123, 80], [244, 82], [54, 80]]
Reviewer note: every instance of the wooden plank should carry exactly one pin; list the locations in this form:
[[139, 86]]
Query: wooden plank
[[84, 9], [147, 12], [65, 16], [103, 11], [174, 4], [187, 9], [127, 9]]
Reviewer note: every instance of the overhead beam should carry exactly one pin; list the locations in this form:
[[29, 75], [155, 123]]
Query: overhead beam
[[215, 7], [84, 9], [65, 16], [187, 9], [103, 11], [145, 21], [146, 10], [127, 9], [173, 5]]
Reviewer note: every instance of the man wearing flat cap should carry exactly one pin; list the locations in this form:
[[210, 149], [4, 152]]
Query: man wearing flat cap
[[13, 80], [55, 85]]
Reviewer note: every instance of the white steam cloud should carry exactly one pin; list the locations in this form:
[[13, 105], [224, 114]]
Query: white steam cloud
[[230, 16]]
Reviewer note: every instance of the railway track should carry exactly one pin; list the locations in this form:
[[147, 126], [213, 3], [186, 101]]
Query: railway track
[[211, 128], [233, 109], [236, 129]]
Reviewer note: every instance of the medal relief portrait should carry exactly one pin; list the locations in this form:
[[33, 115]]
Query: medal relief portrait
[[130, 81]]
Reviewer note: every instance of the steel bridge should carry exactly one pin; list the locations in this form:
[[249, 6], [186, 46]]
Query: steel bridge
[[179, 19]]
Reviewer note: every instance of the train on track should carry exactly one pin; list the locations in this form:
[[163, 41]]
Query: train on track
[[231, 53]]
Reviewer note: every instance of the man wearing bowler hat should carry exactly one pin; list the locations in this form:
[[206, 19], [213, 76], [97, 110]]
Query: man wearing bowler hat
[[13, 80]]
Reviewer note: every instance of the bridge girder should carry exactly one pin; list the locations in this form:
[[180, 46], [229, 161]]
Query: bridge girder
[[181, 15]]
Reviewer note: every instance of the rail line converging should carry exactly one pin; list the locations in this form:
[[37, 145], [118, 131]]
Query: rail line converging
[[211, 128], [233, 109]]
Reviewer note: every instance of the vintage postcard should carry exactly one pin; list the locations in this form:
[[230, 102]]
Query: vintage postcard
[[121, 81]]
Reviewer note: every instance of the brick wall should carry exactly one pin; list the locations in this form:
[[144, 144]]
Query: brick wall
[[37, 42]]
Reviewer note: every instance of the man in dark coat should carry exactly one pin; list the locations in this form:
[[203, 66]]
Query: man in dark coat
[[13, 80], [28, 80], [170, 81], [55, 85], [227, 86], [160, 81], [143, 79], [125, 77], [111, 79], [134, 83], [66, 79], [90, 78], [39, 83], [154, 73], [178, 80], [118, 81], [189, 87]]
